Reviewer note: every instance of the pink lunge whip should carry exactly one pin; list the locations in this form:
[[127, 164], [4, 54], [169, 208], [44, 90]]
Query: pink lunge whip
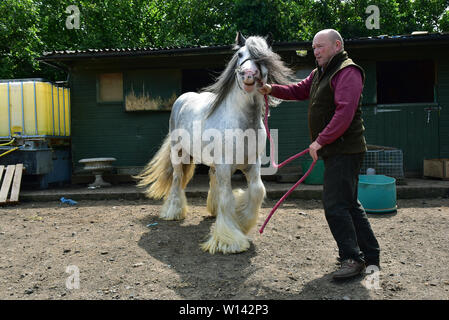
[[280, 166]]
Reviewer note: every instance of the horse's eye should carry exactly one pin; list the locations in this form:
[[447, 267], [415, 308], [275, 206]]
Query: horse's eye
[[240, 54]]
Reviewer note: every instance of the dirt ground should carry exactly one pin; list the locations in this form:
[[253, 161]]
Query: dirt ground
[[122, 250]]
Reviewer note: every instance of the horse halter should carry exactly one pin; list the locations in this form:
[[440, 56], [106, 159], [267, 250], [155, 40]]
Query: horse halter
[[238, 69]]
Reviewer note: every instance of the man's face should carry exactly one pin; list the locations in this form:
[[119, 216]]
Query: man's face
[[324, 48]]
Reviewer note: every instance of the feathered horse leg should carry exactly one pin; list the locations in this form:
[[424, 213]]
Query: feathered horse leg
[[167, 180], [226, 235], [248, 202], [212, 195], [175, 205]]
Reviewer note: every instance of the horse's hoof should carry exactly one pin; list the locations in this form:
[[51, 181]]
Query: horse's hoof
[[173, 214], [176, 218], [213, 245]]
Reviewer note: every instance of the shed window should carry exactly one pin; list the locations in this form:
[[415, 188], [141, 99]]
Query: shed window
[[405, 81], [110, 87]]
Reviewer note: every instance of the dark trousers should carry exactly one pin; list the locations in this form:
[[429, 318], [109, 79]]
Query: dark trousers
[[345, 215]]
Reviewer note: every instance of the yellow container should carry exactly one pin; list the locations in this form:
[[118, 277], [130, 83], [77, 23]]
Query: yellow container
[[4, 123], [34, 108]]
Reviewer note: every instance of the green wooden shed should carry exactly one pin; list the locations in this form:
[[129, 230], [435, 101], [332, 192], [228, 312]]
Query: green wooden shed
[[120, 98]]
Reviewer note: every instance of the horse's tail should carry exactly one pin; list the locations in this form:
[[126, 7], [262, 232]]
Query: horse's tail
[[158, 173]]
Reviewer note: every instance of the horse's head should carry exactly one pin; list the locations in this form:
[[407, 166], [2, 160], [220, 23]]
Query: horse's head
[[251, 71], [253, 65]]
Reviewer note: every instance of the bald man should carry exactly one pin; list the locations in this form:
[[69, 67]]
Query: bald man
[[334, 90]]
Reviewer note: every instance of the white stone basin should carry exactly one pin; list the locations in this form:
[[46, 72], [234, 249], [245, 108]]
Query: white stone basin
[[98, 166]]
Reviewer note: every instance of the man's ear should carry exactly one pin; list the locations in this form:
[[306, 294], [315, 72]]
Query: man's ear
[[269, 39], [240, 39], [340, 44]]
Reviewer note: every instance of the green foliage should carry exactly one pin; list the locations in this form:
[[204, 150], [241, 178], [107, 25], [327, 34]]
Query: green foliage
[[19, 40], [30, 27]]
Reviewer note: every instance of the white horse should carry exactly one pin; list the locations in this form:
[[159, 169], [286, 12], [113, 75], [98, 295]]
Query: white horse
[[232, 104]]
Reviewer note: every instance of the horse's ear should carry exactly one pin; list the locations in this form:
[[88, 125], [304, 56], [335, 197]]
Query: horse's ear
[[240, 39], [269, 39]]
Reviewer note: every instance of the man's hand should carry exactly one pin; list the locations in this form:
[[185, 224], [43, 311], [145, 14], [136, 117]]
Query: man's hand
[[313, 148], [266, 89]]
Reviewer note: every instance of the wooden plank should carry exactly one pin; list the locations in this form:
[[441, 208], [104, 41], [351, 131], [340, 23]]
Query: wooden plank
[[16, 183], [1, 172], [7, 182]]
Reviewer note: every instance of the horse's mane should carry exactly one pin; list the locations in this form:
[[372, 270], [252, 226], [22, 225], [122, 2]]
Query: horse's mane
[[223, 85], [259, 50]]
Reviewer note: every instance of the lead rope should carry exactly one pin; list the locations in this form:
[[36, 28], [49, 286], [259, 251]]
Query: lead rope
[[278, 166]]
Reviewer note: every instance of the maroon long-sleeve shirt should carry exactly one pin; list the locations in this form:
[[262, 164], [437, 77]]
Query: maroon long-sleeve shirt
[[347, 85]]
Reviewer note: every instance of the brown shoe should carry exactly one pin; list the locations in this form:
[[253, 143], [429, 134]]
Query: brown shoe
[[349, 268]]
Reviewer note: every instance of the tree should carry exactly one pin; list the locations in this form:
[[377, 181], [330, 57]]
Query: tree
[[19, 40], [30, 27]]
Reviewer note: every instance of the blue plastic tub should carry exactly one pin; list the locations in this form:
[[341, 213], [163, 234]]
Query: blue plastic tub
[[377, 193]]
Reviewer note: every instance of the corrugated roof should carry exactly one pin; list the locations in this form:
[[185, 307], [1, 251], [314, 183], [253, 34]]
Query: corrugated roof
[[145, 51], [115, 52], [417, 37]]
